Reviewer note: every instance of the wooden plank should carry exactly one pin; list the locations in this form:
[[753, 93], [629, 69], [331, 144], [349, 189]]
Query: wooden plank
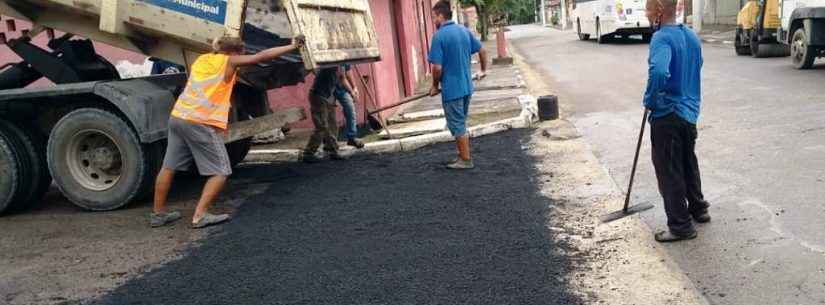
[[247, 129], [336, 30]]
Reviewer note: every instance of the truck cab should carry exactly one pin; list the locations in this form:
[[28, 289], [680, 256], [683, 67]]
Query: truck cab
[[803, 29]]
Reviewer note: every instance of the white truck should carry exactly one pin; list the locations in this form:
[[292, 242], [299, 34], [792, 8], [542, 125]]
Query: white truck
[[803, 29], [101, 138]]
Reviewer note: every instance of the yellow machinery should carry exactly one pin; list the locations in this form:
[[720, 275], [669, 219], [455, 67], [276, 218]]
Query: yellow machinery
[[757, 25]]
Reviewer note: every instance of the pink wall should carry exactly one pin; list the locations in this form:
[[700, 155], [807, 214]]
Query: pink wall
[[408, 51], [399, 27], [413, 20]]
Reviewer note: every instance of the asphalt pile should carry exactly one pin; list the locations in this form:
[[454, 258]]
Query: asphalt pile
[[386, 229]]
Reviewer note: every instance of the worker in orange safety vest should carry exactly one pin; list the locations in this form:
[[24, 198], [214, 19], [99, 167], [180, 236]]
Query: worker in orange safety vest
[[198, 124]]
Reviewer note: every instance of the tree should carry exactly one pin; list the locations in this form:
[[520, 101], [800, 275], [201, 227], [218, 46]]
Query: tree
[[483, 16], [519, 12]]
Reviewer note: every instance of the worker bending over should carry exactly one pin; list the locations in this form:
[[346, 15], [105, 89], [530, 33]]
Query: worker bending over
[[198, 125]]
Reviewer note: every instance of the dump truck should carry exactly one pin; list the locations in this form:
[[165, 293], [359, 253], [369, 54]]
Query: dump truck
[[99, 138], [757, 30], [803, 29]]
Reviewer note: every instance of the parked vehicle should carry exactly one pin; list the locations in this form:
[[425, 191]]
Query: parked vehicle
[[603, 19], [101, 138], [757, 28], [803, 29]]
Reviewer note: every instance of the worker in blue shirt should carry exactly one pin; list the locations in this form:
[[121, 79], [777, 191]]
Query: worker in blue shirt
[[452, 48], [673, 97]]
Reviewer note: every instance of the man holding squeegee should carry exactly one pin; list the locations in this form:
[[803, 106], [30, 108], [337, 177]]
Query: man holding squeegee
[[452, 47], [673, 97]]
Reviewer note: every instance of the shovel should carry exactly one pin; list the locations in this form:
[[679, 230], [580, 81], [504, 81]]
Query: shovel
[[630, 210]]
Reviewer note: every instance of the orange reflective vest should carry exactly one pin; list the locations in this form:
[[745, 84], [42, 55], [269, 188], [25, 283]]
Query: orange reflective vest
[[206, 99]]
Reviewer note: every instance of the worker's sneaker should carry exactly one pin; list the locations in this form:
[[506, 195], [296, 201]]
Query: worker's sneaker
[[701, 217], [355, 142], [209, 220], [669, 237], [310, 158], [454, 160], [461, 164], [334, 155], [162, 219]]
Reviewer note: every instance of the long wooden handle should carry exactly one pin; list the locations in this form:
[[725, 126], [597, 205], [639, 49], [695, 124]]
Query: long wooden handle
[[402, 102], [635, 161]]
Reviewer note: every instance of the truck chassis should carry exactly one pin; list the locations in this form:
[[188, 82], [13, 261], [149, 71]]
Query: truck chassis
[[101, 139]]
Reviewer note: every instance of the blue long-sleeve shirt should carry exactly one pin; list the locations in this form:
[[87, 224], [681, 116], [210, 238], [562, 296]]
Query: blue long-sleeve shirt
[[674, 75]]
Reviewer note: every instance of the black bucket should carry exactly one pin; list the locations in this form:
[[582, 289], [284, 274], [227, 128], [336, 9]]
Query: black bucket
[[548, 107]]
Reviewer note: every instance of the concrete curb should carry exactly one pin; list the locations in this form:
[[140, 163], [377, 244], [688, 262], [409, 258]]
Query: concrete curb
[[526, 118]]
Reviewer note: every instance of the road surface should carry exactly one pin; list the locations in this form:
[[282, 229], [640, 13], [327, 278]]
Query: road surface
[[761, 149], [383, 229]]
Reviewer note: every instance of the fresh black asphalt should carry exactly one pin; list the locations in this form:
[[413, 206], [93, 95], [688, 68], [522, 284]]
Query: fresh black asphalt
[[385, 229]]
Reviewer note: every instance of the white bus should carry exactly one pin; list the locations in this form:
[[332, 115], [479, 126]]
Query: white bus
[[604, 19]]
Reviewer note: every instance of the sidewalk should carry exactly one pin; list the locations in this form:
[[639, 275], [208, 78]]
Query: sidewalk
[[496, 97], [500, 103], [619, 263], [720, 33]]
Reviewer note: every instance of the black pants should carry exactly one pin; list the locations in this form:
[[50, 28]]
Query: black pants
[[677, 170]]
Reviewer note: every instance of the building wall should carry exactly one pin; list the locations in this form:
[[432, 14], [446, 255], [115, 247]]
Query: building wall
[[404, 29], [717, 12], [721, 11]]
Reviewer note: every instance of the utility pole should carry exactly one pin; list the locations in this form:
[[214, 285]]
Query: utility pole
[[697, 15], [543, 14], [563, 19]]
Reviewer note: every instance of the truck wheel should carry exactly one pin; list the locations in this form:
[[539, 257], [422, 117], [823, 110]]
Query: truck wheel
[[10, 167], [35, 179], [238, 150], [756, 50], [97, 160], [802, 54], [579, 31], [599, 38], [739, 45], [154, 159]]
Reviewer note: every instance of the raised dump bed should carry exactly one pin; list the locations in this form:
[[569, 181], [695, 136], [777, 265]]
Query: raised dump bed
[[179, 30], [101, 138]]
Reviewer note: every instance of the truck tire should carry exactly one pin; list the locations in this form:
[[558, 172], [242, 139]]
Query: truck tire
[[756, 49], [802, 54], [44, 179], [97, 160], [35, 179], [154, 159], [739, 46], [582, 37], [238, 150], [10, 167]]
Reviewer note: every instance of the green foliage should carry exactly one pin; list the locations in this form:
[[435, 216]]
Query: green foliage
[[519, 11]]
